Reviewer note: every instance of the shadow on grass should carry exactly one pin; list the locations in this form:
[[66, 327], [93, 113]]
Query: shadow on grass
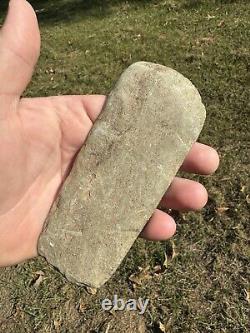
[[53, 11]]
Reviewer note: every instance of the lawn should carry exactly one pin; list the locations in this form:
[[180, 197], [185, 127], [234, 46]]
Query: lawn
[[203, 286]]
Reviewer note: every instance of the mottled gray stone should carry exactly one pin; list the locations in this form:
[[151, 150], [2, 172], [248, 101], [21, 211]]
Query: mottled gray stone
[[149, 123]]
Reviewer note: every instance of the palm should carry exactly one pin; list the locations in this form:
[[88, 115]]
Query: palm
[[39, 142], [40, 138]]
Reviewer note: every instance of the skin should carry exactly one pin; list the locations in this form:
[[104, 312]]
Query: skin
[[40, 138]]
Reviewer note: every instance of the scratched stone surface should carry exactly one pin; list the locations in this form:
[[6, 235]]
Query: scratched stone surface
[[146, 128]]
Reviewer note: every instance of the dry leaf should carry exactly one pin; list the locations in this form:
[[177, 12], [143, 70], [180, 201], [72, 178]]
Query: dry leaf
[[91, 291], [243, 188], [157, 269], [221, 23], [221, 210], [169, 254], [209, 17], [247, 295], [161, 327], [142, 276], [57, 324], [38, 279], [204, 40], [183, 216], [168, 325], [248, 199], [81, 306], [164, 328]]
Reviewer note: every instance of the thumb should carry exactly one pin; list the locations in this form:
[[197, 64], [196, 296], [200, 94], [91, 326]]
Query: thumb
[[19, 47]]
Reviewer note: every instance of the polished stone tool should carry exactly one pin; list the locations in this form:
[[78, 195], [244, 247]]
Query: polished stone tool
[[147, 126]]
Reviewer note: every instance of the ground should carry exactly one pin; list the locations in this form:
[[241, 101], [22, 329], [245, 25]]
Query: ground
[[204, 284]]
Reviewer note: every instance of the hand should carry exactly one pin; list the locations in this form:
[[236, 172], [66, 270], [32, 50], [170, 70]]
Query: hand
[[40, 138]]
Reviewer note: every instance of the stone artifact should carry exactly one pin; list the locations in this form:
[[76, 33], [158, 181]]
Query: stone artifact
[[148, 124]]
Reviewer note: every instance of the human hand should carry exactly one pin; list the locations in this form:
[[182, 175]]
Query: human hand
[[40, 138]]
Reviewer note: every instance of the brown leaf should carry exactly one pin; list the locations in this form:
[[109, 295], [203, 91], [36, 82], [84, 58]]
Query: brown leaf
[[248, 199], [57, 324], [38, 279], [158, 269], [209, 17], [164, 327], [81, 306], [91, 291], [205, 40], [168, 324], [247, 295], [243, 188], [142, 276], [221, 210], [220, 24], [161, 327], [170, 253]]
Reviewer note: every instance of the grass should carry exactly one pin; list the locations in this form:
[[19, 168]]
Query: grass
[[205, 287]]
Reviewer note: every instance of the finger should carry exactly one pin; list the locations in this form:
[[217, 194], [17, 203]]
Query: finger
[[161, 226], [19, 48], [201, 159], [184, 195], [93, 105]]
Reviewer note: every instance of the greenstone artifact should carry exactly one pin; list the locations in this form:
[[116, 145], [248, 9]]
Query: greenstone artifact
[[135, 148]]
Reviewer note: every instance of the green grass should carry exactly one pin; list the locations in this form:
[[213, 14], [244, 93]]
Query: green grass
[[87, 44]]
